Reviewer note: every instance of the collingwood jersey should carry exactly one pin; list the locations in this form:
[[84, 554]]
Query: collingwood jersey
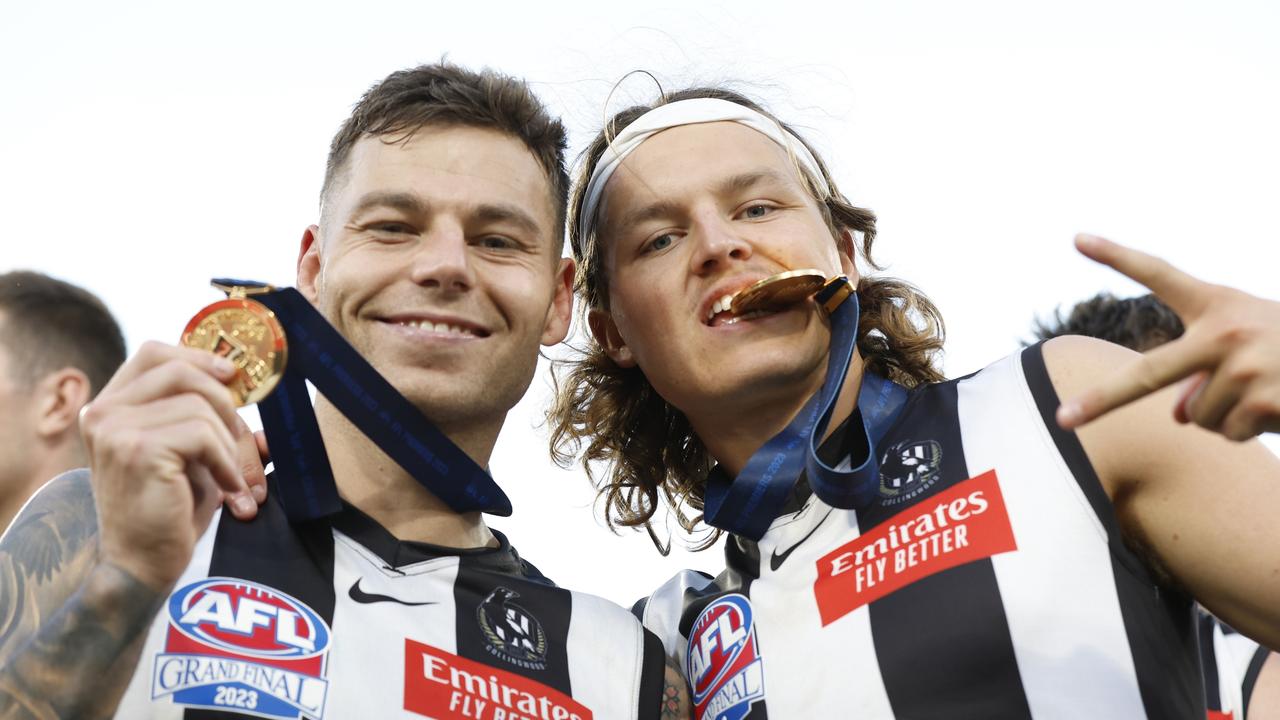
[[989, 579], [337, 619], [1231, 663]]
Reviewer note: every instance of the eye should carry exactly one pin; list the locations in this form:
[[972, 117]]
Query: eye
[[662, 242], [496, 242], [756, 211], [394, 228]]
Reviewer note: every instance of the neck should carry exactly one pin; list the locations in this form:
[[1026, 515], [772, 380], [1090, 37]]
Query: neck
[[373, 482], [15, 491], [733, 435]]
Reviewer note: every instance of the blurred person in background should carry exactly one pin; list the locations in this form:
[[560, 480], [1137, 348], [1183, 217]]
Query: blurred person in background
[[58, 347], [1241, 676]]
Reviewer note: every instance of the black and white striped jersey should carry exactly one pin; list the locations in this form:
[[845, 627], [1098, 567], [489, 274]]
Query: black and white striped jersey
[[337, 619], [1231, 663], [989, 579]]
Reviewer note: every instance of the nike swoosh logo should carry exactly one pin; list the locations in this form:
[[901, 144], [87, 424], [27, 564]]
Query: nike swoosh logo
[[361, 596], [776, 559]]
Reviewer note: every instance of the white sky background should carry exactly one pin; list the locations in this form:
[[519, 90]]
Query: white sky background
[[146, 147]]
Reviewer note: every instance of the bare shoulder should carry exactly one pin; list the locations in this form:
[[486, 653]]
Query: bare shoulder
[[45, 555], [1075, 362]]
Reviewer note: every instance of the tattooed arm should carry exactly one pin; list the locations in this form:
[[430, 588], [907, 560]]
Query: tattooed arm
[[675, 694], [88, 562], [71, 627]]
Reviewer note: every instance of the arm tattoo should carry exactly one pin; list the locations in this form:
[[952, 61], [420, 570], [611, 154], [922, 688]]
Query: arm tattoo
[[70, 630], [675, 694]]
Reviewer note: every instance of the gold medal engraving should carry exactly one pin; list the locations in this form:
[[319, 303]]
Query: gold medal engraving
[[249, 335], [778, 291]]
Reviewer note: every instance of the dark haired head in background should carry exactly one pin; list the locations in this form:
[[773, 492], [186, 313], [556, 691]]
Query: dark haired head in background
[[58, 346], [1138, 323]]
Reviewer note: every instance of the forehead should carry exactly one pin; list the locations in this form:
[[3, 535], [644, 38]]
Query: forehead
[[449, 165], [677, 163]]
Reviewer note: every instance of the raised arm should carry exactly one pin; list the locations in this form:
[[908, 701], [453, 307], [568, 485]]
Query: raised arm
[[88, 562]]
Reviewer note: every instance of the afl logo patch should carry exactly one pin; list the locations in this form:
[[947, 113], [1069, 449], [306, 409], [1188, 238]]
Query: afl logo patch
[[908, 469], [238, 645], [511, 632], [723, 663]]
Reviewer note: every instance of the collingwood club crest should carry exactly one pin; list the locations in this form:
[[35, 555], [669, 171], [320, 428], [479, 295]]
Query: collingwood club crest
[[510, 632], [909, 468]]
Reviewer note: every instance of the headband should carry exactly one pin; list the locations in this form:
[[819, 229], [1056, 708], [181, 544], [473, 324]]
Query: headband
[[685, 112]]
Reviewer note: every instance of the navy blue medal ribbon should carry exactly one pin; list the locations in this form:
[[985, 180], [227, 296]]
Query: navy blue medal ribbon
[[749, 503], [317, 352]]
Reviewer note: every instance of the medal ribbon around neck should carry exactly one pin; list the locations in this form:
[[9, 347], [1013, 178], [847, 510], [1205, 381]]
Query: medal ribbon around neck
[[317, 352], [748, 504]]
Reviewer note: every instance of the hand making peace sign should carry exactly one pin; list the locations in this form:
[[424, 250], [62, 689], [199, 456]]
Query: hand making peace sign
[[1229, 354]]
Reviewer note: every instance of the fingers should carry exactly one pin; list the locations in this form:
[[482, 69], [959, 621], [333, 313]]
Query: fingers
[[250, 468], [196, 441], [1184, 293], [153, 354], [264, 452], [1190, 390], [1239, 401], [205, 495], [1146, 374], [173, 377]]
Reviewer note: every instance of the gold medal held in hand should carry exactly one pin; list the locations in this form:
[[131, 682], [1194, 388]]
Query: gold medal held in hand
[[248, 334]]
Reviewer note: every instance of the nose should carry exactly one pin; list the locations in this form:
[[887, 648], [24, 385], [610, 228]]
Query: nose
[[716, 243], [443, 259]]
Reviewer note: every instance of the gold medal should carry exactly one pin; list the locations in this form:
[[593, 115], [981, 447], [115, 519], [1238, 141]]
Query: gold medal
[[248, 334], [778, 291]]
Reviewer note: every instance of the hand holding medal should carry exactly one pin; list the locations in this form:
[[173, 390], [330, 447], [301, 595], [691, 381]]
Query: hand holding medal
[[277, 342]]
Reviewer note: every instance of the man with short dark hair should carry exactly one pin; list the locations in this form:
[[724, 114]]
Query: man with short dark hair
[[437, 258], [58, 347]]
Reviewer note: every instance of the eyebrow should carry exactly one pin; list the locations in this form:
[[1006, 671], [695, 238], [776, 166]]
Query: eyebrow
[[504, 212], [748, 180], [407, 202], [485, 212], [728, 186]]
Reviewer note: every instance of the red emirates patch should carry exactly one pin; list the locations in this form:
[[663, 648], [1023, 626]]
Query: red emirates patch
[[439, 684], [965, 523]]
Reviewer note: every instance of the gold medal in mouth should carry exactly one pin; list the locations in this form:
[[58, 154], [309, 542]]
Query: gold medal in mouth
[[778, 291], [248, 334]]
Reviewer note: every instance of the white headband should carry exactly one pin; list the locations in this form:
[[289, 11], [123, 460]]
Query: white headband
[[685, 112]]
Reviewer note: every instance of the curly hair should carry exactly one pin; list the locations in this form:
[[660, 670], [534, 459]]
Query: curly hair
[[610, 416]]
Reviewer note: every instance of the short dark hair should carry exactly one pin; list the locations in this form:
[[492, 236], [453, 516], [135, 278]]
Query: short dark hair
[[1138, 323], [444, 94], [47, 324]]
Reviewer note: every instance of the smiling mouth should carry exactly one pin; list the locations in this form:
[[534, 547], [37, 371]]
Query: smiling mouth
[[440, 328]]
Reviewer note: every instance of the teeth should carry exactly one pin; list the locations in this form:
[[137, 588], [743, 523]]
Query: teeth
[[719, 306], [442, 328], [749, 316]]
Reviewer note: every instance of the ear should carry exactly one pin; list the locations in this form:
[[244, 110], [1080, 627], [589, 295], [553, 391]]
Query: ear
[[560, 313], [844, 245], [605, 331], [309, 266], [58, 399]]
